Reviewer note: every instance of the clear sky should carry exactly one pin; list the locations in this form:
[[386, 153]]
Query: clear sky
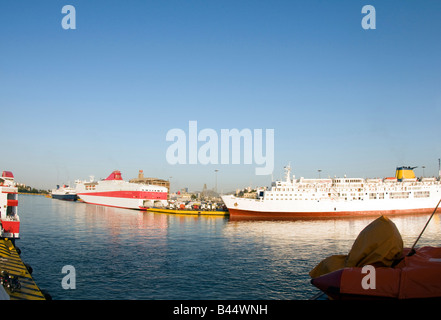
[[101, 97]]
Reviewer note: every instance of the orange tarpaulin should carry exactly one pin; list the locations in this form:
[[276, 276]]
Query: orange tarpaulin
[[417, 276]]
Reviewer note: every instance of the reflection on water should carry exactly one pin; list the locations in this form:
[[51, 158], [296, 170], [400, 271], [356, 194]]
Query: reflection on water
[[128, 254]]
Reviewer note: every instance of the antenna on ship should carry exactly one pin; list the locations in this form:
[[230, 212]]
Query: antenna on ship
[[288, 172], [439, 167]]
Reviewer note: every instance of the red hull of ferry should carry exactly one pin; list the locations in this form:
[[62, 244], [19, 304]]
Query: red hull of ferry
[[247, 214]]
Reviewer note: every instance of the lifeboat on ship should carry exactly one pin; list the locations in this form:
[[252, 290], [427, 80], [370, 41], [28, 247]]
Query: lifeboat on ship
[[378, 267]]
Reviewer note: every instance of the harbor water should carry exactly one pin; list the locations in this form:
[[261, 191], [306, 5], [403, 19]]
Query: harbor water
[[128, 254]]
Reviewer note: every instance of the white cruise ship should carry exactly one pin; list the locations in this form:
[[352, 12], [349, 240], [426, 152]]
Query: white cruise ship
[[115, 192], [309, 198]]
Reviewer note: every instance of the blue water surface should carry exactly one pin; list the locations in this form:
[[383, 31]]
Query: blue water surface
[[128, 254]]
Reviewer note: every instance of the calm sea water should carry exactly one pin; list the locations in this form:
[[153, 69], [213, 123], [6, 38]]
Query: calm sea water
[[128, 254]]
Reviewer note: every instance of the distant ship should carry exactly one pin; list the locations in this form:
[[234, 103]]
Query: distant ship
[[64, 193], [309, 198], [115, 192]]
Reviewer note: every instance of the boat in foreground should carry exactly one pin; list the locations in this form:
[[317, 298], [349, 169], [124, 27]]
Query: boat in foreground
[[339, 197], [378, 267], [115, 192]]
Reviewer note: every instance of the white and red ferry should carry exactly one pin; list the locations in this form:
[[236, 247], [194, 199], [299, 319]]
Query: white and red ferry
[[309, 198], [9, 219], [115, 192]]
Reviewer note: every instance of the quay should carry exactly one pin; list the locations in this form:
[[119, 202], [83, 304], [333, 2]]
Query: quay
[[15, 277], [190, 212]]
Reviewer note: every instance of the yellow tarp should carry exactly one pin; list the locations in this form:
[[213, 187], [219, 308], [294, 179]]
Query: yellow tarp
[[379, 244]]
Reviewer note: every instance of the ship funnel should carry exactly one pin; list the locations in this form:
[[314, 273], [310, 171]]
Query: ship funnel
[[404, 173], [7, 175], [115, 175]]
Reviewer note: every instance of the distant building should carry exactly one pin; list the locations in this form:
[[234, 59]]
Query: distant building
[[181, 196], [154, 181], [250, 195]]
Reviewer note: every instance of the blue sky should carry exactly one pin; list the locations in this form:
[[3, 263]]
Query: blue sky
[[340, 98]]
